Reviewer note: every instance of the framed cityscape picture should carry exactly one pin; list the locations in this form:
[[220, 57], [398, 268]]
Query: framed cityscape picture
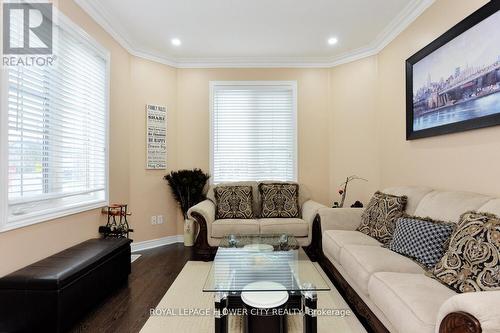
[[453, 84]]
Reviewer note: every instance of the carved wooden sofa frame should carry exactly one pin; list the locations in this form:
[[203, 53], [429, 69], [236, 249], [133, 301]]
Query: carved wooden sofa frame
[[202, 250]]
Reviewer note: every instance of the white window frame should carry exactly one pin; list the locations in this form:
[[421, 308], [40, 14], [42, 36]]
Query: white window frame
[[72, 28], [291, 84]]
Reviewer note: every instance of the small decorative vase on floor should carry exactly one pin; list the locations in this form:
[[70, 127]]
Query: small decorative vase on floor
[[188, 232]]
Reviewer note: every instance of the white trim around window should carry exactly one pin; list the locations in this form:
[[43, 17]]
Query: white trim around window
[[63, 205], [4, 157], [285, 99]]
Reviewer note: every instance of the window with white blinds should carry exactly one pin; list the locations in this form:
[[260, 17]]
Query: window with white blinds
[[57, 131], [253, 131]]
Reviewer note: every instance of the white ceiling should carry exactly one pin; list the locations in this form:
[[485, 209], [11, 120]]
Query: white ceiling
[[251, 33]]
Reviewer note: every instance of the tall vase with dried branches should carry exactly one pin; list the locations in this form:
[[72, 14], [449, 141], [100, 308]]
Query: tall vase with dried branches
[[187, 189], [343, 190]]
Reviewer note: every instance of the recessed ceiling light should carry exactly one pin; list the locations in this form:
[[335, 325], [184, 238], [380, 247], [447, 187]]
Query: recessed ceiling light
[[332, 41], [176, 41]]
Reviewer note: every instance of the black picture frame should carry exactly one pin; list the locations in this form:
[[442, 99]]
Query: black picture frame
[[491, 120]]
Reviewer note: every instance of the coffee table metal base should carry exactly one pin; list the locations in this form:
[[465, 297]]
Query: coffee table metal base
[[259, 320], [306, 303]]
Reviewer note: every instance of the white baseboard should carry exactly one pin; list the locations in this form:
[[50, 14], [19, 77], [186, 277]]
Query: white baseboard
[[149, 244]]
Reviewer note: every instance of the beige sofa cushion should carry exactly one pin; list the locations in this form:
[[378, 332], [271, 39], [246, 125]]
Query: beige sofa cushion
[[492, 207], [361, 261], [224, 227], [335, 240], [291, 226], [448, 206], [411, 302], [414, 193]]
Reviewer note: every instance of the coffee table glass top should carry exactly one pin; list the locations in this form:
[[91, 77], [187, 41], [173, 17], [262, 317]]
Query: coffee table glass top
[[242, 260]]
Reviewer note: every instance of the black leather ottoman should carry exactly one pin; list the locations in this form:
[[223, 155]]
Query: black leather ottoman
[[52, 294]]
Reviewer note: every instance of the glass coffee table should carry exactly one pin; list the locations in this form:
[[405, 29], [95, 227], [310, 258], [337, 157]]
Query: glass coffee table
[[264, 278]]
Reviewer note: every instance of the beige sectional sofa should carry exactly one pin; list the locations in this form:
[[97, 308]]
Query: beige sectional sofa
[[211, 231], [395, 288]]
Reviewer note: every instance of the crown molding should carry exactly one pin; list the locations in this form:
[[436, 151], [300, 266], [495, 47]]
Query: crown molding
[[99, 14], [413, 10], [406, 17], [153, 57]]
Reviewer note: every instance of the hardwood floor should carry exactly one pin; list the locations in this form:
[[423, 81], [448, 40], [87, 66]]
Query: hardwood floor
[[128, 309]]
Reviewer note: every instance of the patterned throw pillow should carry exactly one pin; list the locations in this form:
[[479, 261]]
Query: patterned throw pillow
[[279, 200], [379, 218], [233, 202], [423, 240], [472, 262]]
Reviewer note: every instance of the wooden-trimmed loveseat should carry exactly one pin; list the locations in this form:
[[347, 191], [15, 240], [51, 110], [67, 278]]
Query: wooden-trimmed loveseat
[[211, 231]]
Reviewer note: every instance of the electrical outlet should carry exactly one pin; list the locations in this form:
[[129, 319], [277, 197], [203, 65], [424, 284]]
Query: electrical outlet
[[154, 220], [160, 219]]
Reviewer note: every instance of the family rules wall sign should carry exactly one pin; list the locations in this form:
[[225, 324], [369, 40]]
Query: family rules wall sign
[[156, 137]]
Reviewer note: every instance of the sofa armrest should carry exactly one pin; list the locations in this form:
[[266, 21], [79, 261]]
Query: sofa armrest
[[340, 218], [310, 209], [206, 208], [204, 215], [472, 312], [309, 212]]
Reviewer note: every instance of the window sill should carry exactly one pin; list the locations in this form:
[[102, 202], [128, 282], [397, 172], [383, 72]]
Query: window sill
[[20, 222]]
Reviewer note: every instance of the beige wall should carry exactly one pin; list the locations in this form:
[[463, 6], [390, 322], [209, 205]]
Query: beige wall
[[353, 130], [152, 83], [462, 161], [313, 127]]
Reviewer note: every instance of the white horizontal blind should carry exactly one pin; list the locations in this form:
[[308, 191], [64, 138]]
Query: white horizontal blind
[[57, 131], [253, 132]]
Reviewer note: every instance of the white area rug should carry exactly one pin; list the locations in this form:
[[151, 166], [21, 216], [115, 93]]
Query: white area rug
[[134, 257], [186, 293]]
